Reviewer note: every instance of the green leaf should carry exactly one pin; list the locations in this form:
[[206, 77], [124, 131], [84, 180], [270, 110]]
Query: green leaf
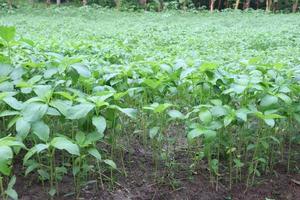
[[80, 138], [12, 182], [79, 111], [205, 116], [153, 132], [94, 152], [194, 133], [6, 156], [33, 112], [7, 33], [242, 114], [5, 69], [268, 100], [218, 111], [162, 107], [5, 169], [12, 193], [11, 142], [13, 102], [285, 98], [82, 70], [100, 123], [130, 112], [111, 163], [228, 119], [35, 149], [61, 106], [6, 153], [208, 66], [22, 127], [175, 114], [270, 122], [41, 130], [52, 192], [198, 132], [65, 144], [43, 91], [6, 113]]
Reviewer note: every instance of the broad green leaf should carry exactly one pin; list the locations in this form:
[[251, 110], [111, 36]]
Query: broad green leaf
[[175, 114], [33, 112], [35, 149], [62, 106], [80, 138], [10, 191], [6, 153], [218, 111], [100, 123], [205, 116], [94, 152], [130, 112], [41, 130], [268, 100], [228, 119], [162, 107], [82, 70], [9, 113], [153, 132], [13, 103], [242, 114], [270, 122], [43, 91], [22, 127], [7, 33], [5, 169], [65, 144], [5, 69], [208, 66], [111, 163], [79, 111], [285, 98], [198, 132]]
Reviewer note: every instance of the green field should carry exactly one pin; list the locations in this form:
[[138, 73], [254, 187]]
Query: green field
[[111, 99]]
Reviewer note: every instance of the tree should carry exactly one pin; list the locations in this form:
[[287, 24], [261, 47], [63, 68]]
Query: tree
[[212, 5], [237, 3], [268, 5], [295, 5], [246, 4], [48, 2], [9, 3], [143, 3]]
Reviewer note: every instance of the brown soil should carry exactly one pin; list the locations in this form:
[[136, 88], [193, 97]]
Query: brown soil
[[141, 184]]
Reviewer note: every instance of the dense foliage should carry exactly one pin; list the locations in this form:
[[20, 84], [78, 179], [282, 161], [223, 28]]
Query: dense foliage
[[160, 5], [79, 85]]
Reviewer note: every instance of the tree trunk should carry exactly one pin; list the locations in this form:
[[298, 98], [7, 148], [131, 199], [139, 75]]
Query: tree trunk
[[268, 5], [118, 4], [212, 5], [84, 2], [161, 5], [143, 3], [219, 6], [9, 3], [247, 4], [237, 4], [295, 6], [48, 2], [58, 2]]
